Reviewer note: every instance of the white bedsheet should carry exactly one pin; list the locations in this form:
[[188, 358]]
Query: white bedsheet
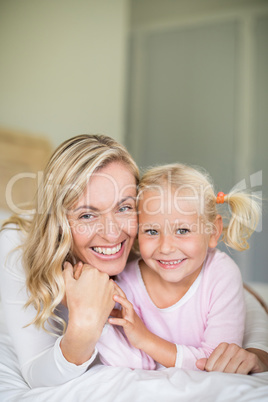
[[111, 384]]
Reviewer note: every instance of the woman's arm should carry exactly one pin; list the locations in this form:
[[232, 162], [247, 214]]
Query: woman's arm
[[44, 358], [260, 360], [230, 358], [253, 357], [89, 307]]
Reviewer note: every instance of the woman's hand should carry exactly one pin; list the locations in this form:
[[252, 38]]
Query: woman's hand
[[230, 358], [89, 295], [77, 270], [89, 300]]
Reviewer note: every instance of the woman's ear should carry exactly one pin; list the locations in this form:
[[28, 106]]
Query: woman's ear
[[214, 237]]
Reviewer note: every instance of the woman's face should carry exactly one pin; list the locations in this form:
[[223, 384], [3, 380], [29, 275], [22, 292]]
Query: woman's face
[[104, 222]]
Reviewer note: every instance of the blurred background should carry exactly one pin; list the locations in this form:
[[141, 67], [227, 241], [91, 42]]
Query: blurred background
[[173, 80]]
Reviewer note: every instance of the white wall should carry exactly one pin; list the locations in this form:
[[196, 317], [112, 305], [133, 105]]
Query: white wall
[[62, 69]]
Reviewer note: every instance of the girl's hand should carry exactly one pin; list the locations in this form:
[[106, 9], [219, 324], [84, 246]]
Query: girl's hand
[[230, 358], [127, 318]]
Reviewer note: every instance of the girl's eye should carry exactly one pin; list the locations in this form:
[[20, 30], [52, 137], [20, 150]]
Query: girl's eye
[[151, 232], [182, 231], [125, 208]]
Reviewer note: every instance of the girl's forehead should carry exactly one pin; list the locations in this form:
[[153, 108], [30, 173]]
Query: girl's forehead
[[164, 200]]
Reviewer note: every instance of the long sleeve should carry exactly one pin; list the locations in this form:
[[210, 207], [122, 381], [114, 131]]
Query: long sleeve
[[212, 310], [40, 358], [223, 310], [115, 350]]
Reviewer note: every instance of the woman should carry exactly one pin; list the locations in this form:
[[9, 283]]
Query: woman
[[85, 211]]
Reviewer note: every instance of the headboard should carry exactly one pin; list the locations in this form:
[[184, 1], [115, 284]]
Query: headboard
[[21, 157]]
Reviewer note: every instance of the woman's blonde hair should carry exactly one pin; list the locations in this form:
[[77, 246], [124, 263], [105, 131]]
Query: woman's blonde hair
[[49, 241], [195, 182]]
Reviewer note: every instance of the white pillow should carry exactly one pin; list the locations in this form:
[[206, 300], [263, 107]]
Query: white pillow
[[261, 289]]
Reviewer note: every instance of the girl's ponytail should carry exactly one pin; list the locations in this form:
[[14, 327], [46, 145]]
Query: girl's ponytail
[[245, 214]]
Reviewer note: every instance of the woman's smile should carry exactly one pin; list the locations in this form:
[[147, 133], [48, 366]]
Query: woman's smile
[[111, 252], [104, 220], [108, 250]]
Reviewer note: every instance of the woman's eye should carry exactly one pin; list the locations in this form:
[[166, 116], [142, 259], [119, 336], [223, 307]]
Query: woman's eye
[[125, 208], [182, 231], [151, 232], [87, 216]]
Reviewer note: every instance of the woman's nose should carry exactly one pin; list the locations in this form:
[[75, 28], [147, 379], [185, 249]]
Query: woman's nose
[[110, 229], [166, 245]]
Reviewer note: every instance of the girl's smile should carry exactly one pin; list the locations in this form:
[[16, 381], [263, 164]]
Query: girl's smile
[[173, 243], [171, 264]]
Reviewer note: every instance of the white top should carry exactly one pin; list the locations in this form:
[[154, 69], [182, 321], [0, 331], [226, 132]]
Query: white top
[[40, 358]]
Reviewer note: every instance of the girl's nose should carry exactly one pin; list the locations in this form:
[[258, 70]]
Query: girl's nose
[[166, 245]]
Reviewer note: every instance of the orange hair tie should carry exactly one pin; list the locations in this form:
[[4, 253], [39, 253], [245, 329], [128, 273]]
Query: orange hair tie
[[220, 198]]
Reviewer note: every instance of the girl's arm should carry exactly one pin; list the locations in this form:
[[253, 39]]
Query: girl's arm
[[115, 350], [139, 336], [224, 321]]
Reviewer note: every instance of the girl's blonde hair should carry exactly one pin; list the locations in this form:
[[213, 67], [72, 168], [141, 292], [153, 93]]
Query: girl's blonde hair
[[189, 181], [49, 241]]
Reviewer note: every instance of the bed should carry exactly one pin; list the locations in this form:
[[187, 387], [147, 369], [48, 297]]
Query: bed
[[20, 153], [111, 384]]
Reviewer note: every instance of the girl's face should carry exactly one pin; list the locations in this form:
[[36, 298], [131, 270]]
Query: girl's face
[[173, 239], [104, 221]]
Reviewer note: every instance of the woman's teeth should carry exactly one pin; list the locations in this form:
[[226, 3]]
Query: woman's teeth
[[171, 262], [106, 250]]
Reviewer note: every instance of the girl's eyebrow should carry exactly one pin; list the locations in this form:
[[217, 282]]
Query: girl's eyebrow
[[89, 207]]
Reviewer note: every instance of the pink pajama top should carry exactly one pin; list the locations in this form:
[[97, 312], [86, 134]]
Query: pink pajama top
[[212, 311]]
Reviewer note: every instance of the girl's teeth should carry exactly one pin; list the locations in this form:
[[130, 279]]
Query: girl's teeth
[[170, 262], [106, 250]]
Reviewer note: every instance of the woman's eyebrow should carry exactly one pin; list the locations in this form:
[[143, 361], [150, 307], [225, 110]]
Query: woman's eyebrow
[[125, 199], [89, 207], [86, 207]]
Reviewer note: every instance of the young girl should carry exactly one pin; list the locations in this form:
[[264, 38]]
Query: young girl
[[183, 297]]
